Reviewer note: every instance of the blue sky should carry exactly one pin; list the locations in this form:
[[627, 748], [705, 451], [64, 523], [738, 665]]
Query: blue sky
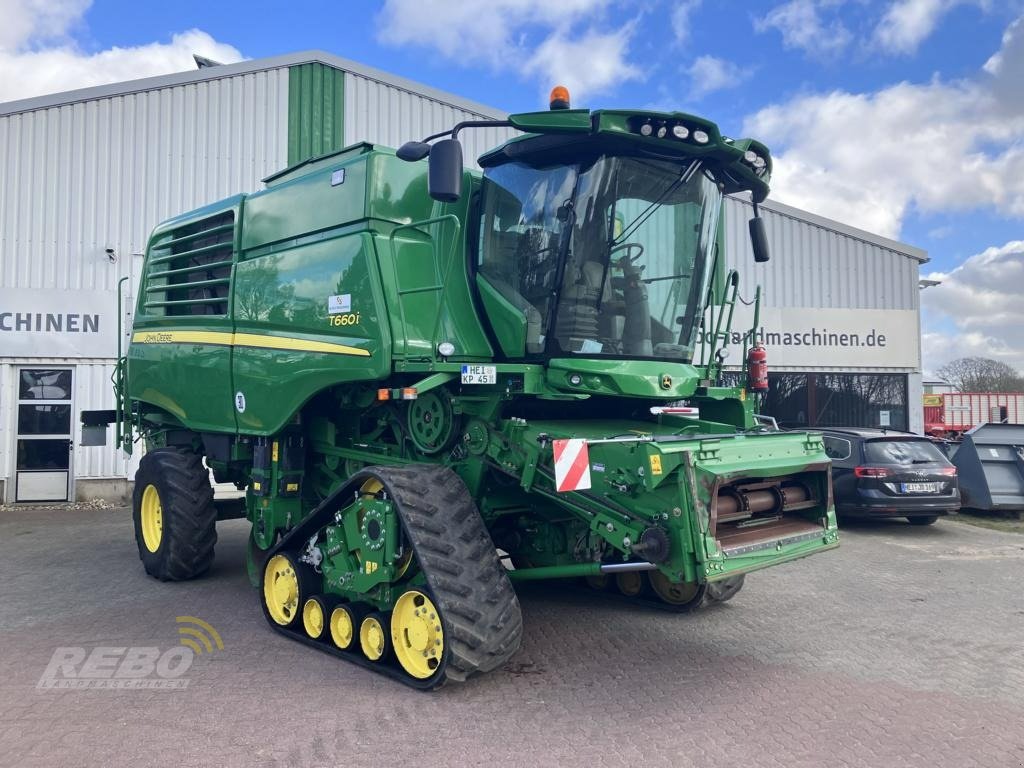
[[903, 117]]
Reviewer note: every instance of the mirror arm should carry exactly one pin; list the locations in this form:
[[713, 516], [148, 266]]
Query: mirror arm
[[478, 124]]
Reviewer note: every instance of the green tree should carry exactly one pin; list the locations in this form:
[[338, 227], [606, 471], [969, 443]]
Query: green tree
[[980, 374]]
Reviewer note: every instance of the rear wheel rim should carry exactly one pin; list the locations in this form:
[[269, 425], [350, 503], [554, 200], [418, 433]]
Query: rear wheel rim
[[281, 590], [417, 634], [151, 519]]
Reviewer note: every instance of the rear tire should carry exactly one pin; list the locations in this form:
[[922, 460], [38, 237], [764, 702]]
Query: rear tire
[[923, 520], [173, 513], [724, 590]]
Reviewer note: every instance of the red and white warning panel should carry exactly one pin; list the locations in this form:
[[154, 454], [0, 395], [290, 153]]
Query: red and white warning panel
[[572, 465]]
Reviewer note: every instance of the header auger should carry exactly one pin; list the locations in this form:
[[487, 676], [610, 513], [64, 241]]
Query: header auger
[[432, 383]]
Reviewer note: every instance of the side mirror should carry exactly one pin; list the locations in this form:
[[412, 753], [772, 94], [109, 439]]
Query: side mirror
[[759, 240], [444, 179], [413, 150]]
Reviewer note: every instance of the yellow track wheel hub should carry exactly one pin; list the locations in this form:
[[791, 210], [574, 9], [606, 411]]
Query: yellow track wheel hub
[[417, 634], [342, 628], [151, 519], [372, 638], [313, 618], [671, 592], [281, 590]]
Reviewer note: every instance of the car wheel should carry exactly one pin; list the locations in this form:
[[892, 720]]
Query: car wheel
[[925, 520]]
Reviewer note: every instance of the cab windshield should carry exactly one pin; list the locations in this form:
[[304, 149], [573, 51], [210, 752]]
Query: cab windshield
[[606, 258]]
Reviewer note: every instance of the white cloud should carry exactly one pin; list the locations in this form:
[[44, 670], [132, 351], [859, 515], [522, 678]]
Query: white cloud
[[28, 20], [588, 64], [710, 73], [937, 146], [981, 299], [1011, 48], [681, 19], [537, 37], [802, 27], [38, 56], [908, 23], [66, 68]]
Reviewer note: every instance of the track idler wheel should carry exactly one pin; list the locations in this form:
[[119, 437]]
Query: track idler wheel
[[343, 623], [417, 634], [286, 586], [681, 597]]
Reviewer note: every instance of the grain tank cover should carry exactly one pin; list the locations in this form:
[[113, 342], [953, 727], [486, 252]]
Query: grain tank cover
[[990, 463]]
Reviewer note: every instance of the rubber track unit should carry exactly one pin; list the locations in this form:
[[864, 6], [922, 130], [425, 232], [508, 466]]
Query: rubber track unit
[[190, 518], [483, 624]]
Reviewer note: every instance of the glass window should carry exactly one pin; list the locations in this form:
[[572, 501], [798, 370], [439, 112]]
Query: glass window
[[44, 384], [837, 448], [525, 215], [787, 399], [43, 454], [838, 400], [44, 419], [609, 258], [902, 452], [844, 400]]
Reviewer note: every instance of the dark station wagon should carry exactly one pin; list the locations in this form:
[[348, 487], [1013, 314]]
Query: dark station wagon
[[880, 473]]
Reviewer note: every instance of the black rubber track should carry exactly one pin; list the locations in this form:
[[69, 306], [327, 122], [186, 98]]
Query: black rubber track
[[483, 624], [189, 517]]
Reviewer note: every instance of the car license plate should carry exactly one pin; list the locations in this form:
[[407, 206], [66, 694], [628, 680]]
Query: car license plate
[[920, 487], [479, 374]]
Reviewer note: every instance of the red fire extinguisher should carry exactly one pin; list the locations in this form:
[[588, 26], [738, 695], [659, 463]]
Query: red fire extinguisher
[[757, 369]]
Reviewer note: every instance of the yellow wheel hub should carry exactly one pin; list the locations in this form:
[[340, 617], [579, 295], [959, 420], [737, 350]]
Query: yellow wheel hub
[[151, 519], [417, 634], [372, 638], [671, 592], [341, 627], [281, 590], [313, 618]]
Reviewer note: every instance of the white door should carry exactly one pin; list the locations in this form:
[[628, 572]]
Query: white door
[[43, 435]]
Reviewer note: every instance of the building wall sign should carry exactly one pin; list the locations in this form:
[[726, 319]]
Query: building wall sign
[[51, 323], [838, 338]]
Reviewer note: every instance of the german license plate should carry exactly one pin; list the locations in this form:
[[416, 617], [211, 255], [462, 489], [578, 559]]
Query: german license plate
[[479, 374], [920, 487]]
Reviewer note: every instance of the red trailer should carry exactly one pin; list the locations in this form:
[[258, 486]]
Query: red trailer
[[950, 415]]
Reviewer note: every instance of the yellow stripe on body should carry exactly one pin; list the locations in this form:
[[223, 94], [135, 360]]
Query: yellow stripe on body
[[183, 337], [302, 345], [257, 340]]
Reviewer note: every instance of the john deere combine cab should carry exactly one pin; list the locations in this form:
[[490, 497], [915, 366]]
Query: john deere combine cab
[[432, 384]]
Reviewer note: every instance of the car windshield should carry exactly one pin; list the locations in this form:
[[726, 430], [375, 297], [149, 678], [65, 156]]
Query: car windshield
[[902, 452], [606, 258]]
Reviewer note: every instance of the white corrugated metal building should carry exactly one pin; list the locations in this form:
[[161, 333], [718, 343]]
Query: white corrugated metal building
[[87, 175]]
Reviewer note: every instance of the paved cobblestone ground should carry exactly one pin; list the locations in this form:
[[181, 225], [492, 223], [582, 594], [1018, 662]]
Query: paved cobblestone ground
[[905, 647]]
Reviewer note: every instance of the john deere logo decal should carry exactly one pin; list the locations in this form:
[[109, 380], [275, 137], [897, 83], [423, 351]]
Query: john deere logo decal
[[666, 381]]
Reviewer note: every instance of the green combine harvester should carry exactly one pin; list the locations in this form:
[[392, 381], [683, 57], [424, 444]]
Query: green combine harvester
[[434, 383]]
